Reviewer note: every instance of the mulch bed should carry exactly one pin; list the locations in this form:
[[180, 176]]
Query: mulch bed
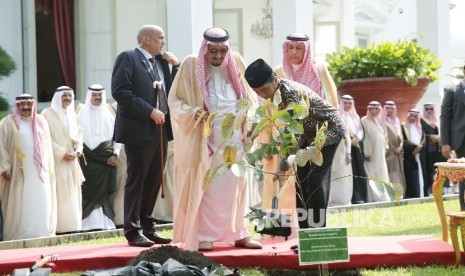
[[163, 253], [194, 258]]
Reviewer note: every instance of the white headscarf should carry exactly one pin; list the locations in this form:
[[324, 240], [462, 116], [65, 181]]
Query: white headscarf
[[97, 122], [68, 115]]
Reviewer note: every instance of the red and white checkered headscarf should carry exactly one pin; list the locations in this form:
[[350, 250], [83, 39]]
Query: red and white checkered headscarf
[[307, 73], [37, 131], [433, 118], [217, 36]]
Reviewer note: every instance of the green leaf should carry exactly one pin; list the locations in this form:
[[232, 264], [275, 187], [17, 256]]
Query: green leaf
[[320, 137], [298, 109], [227, 128], [262, 110], [261, 126], [295, 127], [282, 115], [251, 158], [243, 104]]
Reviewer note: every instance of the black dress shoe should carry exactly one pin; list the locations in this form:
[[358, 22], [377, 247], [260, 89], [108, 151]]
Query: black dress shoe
[[156, 238], [139, 240]]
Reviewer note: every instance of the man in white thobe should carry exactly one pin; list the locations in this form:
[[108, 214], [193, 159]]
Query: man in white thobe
[[99, 161], [374, 148], [210, 82], [67, 147], [27, 184]]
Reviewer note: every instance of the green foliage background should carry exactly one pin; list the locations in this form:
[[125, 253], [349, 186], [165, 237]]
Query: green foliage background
[[7, 67], [387, 59]]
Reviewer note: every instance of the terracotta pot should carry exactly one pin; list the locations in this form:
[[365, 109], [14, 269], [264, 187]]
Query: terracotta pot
[[384, 89]]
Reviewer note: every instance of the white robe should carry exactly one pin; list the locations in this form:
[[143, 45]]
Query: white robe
[[191, 162], [222, 192], [69, 176], [374, 146], [28, 203]]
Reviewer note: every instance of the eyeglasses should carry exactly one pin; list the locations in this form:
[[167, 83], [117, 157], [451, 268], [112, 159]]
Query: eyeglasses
[[429, 108], [373, 108]]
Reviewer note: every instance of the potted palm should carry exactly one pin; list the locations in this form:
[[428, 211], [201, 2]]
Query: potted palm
[[399, 71]]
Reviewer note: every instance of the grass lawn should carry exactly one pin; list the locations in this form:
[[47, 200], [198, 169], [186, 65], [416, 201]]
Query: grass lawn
[[412, 219]]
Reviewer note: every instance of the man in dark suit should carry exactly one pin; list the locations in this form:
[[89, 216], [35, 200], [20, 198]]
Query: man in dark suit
[[140, 82], [453, 137]]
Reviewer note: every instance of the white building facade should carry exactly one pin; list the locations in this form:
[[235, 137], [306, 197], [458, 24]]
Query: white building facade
[[104, 28]]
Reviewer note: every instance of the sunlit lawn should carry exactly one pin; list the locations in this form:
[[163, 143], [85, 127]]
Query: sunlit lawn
[[412, 219]]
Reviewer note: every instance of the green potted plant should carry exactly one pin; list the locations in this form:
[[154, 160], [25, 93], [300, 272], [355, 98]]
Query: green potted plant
[[382, 70], [7, 67]]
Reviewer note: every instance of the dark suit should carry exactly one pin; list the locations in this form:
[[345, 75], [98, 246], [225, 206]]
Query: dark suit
[[452, 128], [145, 142]]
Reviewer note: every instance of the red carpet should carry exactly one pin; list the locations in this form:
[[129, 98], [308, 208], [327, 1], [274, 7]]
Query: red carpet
[[365, 252]]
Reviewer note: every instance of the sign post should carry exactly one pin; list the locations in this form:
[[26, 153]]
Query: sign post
[[323, 246]]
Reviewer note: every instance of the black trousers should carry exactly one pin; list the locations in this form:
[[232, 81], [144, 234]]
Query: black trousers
[[359, 176], [144, 178], [313, 194], [461, 153]]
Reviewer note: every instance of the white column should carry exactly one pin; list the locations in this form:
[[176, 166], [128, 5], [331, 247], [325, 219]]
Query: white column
[[186, 22], [347, 25], [11, 33], [433, 21], [95, 29], [289, 16]]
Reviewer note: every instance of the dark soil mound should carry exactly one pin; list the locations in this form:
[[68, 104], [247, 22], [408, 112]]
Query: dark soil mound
[[162, 254]]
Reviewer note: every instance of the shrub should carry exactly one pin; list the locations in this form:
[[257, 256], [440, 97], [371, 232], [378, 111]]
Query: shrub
[[387, 59]]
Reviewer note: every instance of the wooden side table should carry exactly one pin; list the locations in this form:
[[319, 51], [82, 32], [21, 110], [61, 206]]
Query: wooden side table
[[457, 219], [455, 172]]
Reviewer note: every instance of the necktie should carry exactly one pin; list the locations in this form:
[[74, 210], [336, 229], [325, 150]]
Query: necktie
[[155, 69], [162, 101]]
